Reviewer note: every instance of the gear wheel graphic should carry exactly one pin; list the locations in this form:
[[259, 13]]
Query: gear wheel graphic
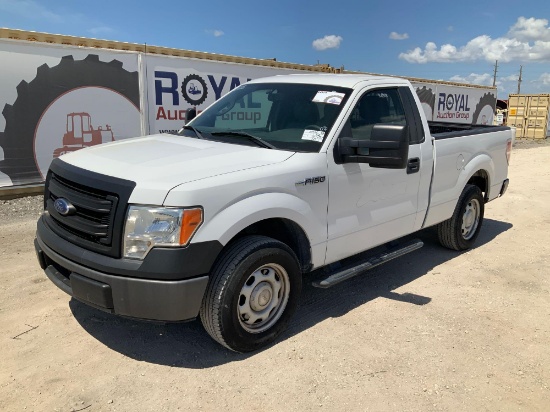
[[488, 99], [426, 96], [34, 98], [186, 87]]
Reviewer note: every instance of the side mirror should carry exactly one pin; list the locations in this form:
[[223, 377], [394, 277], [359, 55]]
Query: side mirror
[[190, 114], [388, 148]]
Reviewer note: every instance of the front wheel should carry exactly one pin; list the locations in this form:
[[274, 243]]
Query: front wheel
[[461, 230], [253, 292]]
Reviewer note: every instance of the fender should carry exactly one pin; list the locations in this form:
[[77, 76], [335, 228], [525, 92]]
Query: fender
[[480, 162], [228, 222], [445, 203]]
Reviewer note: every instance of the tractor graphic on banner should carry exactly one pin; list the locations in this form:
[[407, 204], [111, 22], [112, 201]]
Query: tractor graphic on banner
[[80, 133]]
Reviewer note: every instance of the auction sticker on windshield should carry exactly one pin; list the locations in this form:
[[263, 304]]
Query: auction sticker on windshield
[[328, 97], [314, 135]]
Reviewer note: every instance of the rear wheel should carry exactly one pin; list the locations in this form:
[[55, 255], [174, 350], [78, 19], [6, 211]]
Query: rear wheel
[[461, 230], [252, 294]]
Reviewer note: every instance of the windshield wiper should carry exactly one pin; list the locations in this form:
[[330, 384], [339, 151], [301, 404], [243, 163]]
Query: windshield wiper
[[199, 135], [250, 137]]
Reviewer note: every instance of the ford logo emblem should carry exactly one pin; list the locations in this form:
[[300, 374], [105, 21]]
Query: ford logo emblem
[[64, 207]]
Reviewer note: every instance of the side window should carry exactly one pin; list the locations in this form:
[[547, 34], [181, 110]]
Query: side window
[[377, 106]]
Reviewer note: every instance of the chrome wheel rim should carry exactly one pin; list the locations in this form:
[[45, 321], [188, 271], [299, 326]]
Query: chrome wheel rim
[[470, 219], [263, 298]]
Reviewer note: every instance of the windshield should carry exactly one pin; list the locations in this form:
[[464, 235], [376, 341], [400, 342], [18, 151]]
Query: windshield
[[287, 116]]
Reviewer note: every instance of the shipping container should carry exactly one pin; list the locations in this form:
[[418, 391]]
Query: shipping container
[[541, 100], [518, 101], [530, 114], [534, 133], [64, 93]]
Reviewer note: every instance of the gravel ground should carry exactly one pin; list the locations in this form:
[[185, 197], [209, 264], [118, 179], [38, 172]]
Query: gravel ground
[[531, 143], [24, 208]]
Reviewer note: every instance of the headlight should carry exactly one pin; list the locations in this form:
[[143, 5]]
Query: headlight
[[147, 227]]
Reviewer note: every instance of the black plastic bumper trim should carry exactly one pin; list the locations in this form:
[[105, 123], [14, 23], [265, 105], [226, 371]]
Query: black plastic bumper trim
[[89, 290], [59, 280], [168, 301]]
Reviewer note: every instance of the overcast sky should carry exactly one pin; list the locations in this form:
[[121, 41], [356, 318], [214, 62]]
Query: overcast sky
[[445, 40]]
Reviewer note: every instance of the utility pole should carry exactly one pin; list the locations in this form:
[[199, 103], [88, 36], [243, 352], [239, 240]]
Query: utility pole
[[495, 74], [519, 79]]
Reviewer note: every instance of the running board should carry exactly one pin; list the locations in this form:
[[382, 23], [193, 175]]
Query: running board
[[374, 261]]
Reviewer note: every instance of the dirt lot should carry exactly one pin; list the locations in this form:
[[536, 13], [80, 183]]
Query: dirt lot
[[435, 330]]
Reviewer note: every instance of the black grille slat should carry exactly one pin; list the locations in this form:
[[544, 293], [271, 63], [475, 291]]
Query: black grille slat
[[80, 235], [93, 217]]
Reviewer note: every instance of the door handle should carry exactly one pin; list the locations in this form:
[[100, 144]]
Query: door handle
[[413, 165]]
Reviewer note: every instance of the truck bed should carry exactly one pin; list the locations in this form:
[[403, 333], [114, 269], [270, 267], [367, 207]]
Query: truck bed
[[441, 130], [460, 151]]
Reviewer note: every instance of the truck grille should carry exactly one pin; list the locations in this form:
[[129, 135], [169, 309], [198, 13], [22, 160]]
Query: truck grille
[[97, 220], [92, 220]]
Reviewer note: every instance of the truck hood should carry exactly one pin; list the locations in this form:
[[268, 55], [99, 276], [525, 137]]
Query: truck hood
[[158, 163]]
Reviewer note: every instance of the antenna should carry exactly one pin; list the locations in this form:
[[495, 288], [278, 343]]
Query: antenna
[[519, 79], [495, 74]]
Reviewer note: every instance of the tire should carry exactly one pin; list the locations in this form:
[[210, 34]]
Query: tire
[[461, 230], [34, 98], [241, 290]]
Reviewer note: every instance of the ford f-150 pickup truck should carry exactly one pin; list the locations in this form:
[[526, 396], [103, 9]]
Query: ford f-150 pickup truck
[[281, 176]]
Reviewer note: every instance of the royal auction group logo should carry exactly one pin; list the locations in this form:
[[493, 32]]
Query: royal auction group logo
[[194, 89]]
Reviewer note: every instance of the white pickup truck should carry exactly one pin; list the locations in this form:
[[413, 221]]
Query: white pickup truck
[[281, 176]]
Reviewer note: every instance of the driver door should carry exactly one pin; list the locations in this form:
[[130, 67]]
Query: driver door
[[370, 206]]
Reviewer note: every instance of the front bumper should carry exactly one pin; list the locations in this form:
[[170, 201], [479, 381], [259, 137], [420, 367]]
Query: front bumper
[[162, 298]]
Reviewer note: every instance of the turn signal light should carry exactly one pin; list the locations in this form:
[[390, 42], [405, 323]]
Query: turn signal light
[[191, 220]]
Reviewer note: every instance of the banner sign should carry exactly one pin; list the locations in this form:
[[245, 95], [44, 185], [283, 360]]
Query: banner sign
[[56, 100], [456, 104], [176, 85]]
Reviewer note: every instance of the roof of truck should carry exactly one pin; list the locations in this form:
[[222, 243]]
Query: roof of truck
[[341, 80]]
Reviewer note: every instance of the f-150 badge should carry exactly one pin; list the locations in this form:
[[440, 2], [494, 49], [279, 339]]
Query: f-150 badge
[[311, 181]]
